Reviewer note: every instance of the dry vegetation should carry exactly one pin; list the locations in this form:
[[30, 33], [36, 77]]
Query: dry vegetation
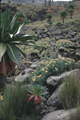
[[32, 10]]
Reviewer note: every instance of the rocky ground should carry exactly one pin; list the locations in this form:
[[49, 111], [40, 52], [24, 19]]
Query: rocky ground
[[53, 107], [56, 35]]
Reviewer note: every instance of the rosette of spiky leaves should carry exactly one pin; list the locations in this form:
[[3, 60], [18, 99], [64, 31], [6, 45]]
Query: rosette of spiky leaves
[[10, 38], [37, 93], [70, 6]]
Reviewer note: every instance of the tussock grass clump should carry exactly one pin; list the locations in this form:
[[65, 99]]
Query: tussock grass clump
[[14, 105], [75, 116], [70, 94]]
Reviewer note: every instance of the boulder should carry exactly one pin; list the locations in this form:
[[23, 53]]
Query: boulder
[[55, 80], [24, 75], [35, 65], [54, 98], [60, 115]]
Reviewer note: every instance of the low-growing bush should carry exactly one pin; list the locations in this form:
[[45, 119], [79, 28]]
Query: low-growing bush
[[52, 67], [63, 43], [14, 104], [50, 22], [49, 16], [77, 24], [72, 22], [39, 47], [70, 94], [59, 24]]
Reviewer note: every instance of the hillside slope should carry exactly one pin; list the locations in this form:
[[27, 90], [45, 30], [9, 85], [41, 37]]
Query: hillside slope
[[26, 1]]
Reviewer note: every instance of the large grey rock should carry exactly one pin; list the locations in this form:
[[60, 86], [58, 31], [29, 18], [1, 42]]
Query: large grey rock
[[28, 70], [24, 75], [54, 98], [22, 78], [59, 115], [55, 80], [35, 65]]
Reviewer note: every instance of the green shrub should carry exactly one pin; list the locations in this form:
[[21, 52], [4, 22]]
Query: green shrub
[[49, 16], [71, 11], [70, 94], [41, 46], [51, 67], [50, 22], [14, 105], [70, 6], [59, 24], [72, 23], [63, 43], [77, 24]]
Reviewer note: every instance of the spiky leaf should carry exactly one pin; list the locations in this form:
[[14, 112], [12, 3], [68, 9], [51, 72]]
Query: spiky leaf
[[3, 49], [13, 53]]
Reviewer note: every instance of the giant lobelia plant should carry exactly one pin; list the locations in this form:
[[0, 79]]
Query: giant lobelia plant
[[63, 15], [9, 41]]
